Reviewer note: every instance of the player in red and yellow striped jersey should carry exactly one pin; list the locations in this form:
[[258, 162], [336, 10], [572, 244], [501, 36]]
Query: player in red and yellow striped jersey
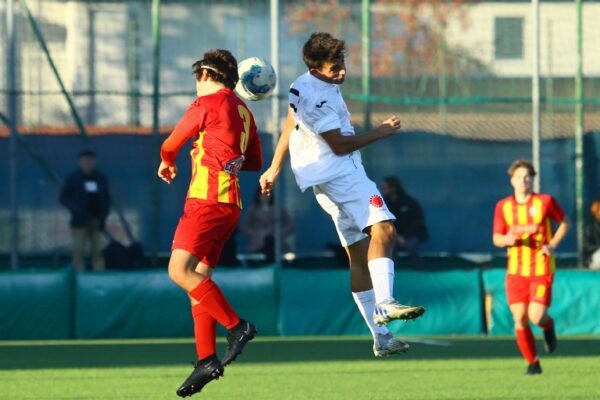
[[225, 143], [523, 224]]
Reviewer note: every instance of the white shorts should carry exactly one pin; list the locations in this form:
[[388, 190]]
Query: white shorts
[[354, 203]]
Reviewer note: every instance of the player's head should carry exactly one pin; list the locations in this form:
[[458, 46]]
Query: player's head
[[521, 174], [595, 210], [87, 161], [391, 188], [324, 56], [218, 66]]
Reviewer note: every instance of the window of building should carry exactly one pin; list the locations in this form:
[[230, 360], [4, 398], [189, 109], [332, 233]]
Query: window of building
[[508, 38]]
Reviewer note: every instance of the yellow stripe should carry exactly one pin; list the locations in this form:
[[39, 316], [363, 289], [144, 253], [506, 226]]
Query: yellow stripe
[[550, 234], [513, 259], [537, 204], [199, 186], [238, 193], [551, 265], [223, 190], [540, 262], [525, 250], [513, 252]]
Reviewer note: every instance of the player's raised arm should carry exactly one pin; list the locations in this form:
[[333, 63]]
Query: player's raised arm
[[167, 170], [341, 144], [185, 129], [268, 178]]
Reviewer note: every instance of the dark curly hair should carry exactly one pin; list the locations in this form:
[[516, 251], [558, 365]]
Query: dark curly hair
[[320, 48], [220, 65]]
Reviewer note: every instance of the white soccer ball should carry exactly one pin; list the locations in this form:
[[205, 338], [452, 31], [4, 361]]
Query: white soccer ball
[[257, 79]]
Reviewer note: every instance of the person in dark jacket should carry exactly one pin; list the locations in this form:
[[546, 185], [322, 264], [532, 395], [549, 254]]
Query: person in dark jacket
[[591, 238], [410, 220], [85, 194]]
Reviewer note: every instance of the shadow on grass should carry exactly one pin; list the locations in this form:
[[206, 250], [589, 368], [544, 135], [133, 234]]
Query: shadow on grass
[[131, 354]]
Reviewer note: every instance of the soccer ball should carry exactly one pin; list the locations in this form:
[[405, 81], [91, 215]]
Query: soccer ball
[[257, 79]]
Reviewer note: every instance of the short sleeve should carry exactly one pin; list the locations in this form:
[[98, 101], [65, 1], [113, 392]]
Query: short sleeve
[[191, 123], [500, 225], [554, 210]]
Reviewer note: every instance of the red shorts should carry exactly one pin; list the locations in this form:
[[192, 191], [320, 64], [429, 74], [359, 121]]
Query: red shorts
[[204, 228], [527, 289]]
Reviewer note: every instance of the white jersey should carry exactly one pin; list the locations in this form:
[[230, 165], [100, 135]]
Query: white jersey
[[318, 107]]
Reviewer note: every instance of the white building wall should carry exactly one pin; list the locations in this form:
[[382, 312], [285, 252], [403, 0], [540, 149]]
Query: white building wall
[[557, 37], [190, 29]]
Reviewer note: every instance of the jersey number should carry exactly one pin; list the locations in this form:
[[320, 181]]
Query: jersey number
[[245, 116]]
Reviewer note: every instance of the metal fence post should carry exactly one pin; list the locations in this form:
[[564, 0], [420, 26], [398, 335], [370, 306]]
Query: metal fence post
[[155, 128], [12, 113]]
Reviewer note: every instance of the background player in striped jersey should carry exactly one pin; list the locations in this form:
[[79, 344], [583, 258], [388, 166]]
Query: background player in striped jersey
[[324, 156], [523, 224], [225, 142]]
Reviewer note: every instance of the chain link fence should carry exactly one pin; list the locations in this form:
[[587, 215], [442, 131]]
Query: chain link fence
[[459, 69]]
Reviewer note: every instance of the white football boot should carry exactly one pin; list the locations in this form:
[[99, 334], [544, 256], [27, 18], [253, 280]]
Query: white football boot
[[390, 310], [386, 345]]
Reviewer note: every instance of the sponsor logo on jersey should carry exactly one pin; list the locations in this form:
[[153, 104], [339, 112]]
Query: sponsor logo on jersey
[[376, 201], [534, 211], [234, 166]]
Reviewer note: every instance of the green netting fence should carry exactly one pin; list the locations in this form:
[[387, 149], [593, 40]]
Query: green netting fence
[[451, 68]]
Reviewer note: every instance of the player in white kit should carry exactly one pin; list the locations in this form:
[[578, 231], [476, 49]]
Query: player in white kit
[[324, 155]]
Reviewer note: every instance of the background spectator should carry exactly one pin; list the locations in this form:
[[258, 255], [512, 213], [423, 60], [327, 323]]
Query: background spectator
[[259, 226], [85, 194], [410, 220], [591, 239], [229, 252]]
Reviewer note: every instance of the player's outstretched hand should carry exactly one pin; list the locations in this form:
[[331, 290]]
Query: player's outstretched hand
[[167, 172], [390, 126], [547, 250], [267, 180]]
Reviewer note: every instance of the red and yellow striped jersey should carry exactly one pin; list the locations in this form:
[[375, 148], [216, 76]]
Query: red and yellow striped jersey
[[225, 142], [531, 223]]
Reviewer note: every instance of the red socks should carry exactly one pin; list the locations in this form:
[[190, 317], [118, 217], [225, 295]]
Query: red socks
[[526, 344], [212, 307], [205, 332], [212, 301]]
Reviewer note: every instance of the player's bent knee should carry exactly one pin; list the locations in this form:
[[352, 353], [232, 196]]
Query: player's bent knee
[[177, 274], [174, 275], [384, 230], [521, 322], [538, 320]]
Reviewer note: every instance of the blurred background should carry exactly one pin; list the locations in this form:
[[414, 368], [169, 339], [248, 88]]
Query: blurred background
[[478, 84]]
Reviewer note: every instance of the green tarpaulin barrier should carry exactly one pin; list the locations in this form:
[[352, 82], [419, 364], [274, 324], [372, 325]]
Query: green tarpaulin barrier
[[147, 304], [130, 305], [575, 302], [36, 305], [320, 303]]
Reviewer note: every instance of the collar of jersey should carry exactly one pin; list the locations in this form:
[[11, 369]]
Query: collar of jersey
[[318, 82]]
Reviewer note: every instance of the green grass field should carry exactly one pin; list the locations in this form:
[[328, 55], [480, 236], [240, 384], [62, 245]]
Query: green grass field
[[300, 368]]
